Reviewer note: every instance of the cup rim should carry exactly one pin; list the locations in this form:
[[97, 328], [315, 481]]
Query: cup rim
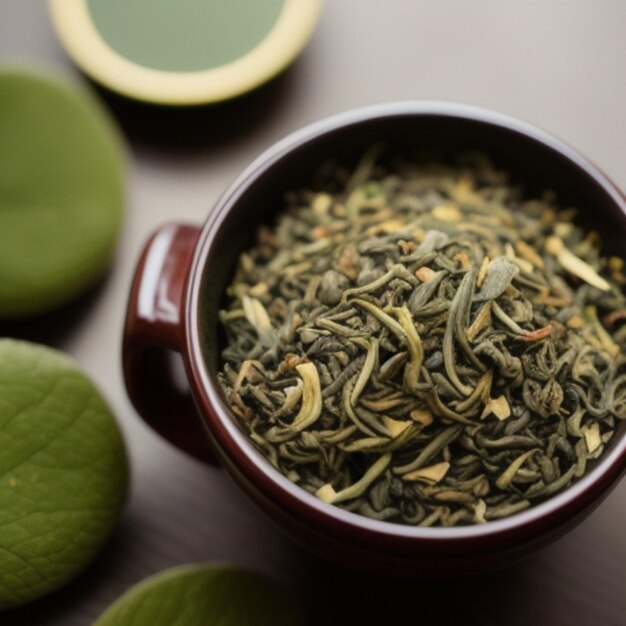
[[243, 458]]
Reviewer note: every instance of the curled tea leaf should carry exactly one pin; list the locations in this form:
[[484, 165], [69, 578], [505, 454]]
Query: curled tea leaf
[[368, 366], [309, 410], [505, 479], [414, 345], [328, 494], [433, 448]]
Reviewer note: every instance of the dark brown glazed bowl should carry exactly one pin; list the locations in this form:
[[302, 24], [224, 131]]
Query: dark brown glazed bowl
[[177, 292]]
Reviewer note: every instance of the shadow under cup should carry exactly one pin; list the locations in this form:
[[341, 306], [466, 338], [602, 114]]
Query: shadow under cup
[[534, 159]]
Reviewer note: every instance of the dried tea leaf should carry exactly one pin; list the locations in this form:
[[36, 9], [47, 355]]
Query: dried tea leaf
[[432, 474], [447, 213], [310, 409], [500, 273], [592, 436], [425, 274], [528, 253], [505, 479], [368, 366], [481, 322], [422, 416], [433, 240], [482, 272], [480, 508], [259, 319], [414, 346], [605, 339], [328, 494], [395, 427], [497, 406], [570, 262]]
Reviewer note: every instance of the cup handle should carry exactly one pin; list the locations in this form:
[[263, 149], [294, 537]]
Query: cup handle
[[154, 325]]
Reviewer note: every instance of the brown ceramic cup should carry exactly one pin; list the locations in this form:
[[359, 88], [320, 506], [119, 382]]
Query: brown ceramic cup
[[179, 284]]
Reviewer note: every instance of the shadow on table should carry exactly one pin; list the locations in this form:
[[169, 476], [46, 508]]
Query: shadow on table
[[53, 328], [195, 128], [343, 597]]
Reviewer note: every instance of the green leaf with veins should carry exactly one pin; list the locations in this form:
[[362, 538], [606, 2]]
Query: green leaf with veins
[[204, 595], [63, 471]]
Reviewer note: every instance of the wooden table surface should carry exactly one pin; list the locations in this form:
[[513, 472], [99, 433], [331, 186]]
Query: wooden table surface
[[558, 64]]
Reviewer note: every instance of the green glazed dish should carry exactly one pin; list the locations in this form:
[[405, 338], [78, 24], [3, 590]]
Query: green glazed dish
[[61, 191], [63, 471], [187, 52]]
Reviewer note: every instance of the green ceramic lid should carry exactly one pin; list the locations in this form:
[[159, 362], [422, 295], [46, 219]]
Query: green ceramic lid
[[63, 471], [184, 52], [61, 191]]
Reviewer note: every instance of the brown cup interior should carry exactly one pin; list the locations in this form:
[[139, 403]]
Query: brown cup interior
[[535, 160]]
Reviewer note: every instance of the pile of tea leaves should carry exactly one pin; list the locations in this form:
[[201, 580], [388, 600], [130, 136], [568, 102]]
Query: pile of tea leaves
[[420, 343]]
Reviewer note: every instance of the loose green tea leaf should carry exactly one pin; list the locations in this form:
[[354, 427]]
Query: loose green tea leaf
[[499, 274], [63, 471], [467, 343], [203, 595], [574, 265]]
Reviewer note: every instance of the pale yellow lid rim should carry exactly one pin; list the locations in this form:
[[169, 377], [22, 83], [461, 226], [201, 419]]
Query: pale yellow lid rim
[[286, 39]]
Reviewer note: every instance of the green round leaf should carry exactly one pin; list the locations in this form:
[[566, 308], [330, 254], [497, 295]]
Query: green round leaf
[[203, 595], [63, 471], [61, 191]]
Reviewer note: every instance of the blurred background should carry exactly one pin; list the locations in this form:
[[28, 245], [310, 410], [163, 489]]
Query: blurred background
[[559, 64]]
